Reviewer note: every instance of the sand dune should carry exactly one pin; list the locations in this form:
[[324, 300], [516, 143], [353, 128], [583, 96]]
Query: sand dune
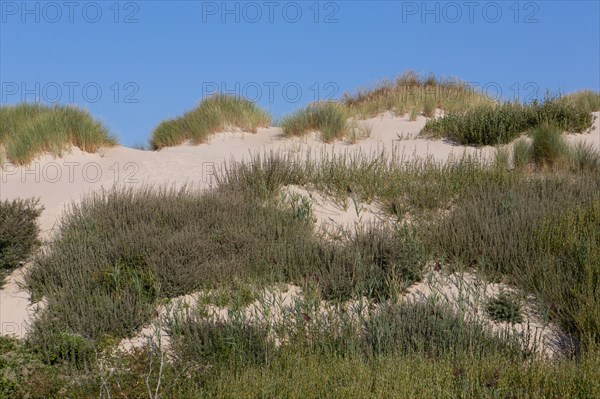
[[59, 182]]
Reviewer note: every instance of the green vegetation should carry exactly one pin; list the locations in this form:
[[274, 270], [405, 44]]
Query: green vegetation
[[586, 100], [411, 92], [215, 240], [530, 220], [18, 232], [330, 119], [28, 130], [505, 308], [497, 124], [212, 115]]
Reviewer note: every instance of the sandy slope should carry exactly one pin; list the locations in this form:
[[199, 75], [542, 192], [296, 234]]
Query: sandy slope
[[59, 182]]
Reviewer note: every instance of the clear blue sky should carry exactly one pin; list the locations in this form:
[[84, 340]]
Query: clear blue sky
[[155, 59]]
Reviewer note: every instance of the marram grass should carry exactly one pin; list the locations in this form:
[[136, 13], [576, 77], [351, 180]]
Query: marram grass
[[214, 114], [29, 130]]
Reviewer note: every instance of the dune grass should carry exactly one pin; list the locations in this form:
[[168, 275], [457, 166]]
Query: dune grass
[[585, 100], [330, 119], [411, 91], [499, 124], [214, 114], [28, 130]]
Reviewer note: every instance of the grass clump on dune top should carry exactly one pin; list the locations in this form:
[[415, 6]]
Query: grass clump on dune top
[[28, 130], [329, 118], [416, 93], [214, 114]]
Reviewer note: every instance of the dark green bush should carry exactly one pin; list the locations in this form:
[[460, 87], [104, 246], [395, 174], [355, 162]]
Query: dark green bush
[[18, 231], [504, 308], [491, 125]]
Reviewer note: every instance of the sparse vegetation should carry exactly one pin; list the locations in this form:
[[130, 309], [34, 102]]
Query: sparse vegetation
[[28, 130], [214, 114]]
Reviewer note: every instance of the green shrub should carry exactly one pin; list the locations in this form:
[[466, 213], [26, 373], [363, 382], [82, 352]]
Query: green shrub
[[504, 308], [491, 125], [330, 119], [18, 231], [214, 114], [28, 130]]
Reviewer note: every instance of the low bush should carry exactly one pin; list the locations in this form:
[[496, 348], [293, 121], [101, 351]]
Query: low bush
[[491, 125], [18, 232]]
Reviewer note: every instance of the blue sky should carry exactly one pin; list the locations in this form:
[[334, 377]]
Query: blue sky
[[135, 63]]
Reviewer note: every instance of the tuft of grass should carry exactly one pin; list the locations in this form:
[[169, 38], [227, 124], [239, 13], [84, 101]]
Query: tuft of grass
[[214, 114], [28, 130], [521, 154], [18, 232], [548, 145], [412, 90], [429, 108], [585, 158], [585, 100], [330, 119]]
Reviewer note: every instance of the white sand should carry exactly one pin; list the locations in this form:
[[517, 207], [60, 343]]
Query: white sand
[[59, 182]]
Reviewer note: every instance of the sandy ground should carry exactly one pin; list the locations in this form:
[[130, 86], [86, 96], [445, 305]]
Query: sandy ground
[[59, 182]]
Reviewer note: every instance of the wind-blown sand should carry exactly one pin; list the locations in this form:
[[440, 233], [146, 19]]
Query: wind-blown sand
[[59, 182]]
